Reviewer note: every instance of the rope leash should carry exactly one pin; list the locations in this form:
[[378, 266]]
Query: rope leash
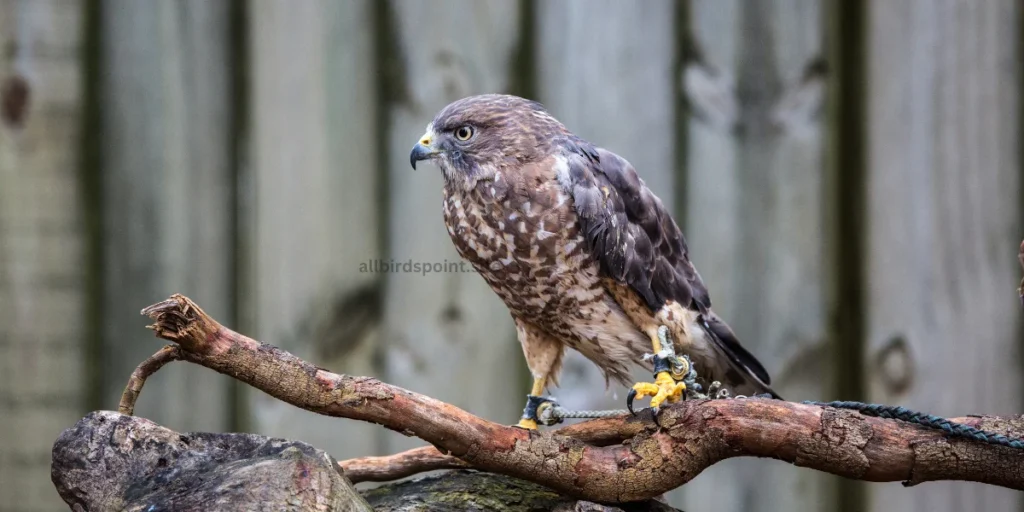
[[896, 412], [548, 412], [558, 414]]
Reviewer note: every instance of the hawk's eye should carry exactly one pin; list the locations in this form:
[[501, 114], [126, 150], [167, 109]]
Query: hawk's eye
[[464, 133]]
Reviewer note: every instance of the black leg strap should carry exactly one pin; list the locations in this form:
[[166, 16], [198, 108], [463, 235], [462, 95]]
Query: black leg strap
[[533, 402], [661, 364], [674, 365]]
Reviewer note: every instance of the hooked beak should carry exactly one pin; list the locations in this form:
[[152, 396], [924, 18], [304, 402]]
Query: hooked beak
[[423, 150]]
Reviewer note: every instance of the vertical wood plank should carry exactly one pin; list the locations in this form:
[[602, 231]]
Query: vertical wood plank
[[605, 69], [166, 192], [312, 212], [42, 294], [449, 336], [943, 216], [756, 217]]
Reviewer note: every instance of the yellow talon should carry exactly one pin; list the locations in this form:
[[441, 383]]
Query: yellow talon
[[664, 388], [528, 424]]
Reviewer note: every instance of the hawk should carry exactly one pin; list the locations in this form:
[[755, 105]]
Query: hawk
[[582, 253]]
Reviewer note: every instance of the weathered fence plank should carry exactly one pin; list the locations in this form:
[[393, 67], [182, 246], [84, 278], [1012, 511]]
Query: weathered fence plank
[[449, 336], [42, 340], [311, 209], [166, 191], [944, 221], [756, 217], [581, 45]]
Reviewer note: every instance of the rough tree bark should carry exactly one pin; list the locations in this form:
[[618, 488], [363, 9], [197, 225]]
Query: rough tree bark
[[648, 459]]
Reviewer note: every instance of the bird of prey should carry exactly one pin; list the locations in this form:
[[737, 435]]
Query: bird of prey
[[582, 253]]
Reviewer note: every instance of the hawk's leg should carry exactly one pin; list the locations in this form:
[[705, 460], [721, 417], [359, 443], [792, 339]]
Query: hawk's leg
[[529, 419], [544, 357], [539, 409], [669, 371]]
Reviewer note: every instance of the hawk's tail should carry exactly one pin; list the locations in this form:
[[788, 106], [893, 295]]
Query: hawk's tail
[[745, 371]]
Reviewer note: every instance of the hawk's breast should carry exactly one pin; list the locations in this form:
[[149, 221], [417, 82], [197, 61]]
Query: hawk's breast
[[523, 237]]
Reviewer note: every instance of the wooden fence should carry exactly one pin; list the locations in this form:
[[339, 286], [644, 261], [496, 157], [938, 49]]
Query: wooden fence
[[848, 175]]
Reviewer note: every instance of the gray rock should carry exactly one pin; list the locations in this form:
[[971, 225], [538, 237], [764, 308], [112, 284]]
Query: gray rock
[[109, 461], [472, 491]]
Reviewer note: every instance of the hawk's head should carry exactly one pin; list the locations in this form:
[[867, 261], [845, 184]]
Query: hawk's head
[[475, 137]]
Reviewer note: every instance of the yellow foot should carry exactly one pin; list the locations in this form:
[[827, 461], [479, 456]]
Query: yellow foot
[[664, 389], [527, 424]]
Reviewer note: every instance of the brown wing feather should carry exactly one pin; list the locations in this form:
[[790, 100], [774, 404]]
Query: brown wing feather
[[632, 234], [637, 242]]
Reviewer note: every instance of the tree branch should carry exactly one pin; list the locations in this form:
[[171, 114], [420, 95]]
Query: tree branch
[[648, 459], [401, 465], [601, 432], [142, 372]]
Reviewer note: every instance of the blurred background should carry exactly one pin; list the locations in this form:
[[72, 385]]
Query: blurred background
[[848, 176]]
